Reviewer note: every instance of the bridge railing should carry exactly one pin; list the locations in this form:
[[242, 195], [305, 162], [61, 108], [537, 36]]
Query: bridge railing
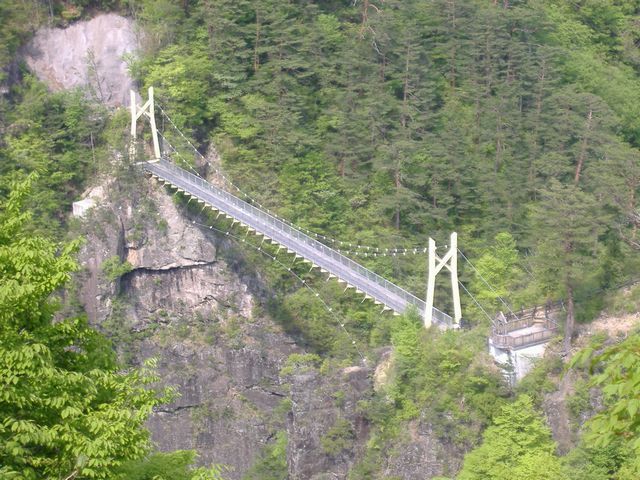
[[270, 220], [504, 328], [507, 341], [537, 311]]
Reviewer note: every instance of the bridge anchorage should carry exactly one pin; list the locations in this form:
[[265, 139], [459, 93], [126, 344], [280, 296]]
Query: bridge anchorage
[[295, 240]]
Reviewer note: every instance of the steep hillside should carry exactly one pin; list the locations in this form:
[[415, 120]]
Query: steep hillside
[[375, 123]]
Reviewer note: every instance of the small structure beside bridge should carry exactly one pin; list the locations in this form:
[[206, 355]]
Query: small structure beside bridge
[[519, 338]]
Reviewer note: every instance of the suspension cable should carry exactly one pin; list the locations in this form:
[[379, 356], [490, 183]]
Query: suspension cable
[[487, 283], [370, 251], [476, 302], [218, 172], [289, 269]]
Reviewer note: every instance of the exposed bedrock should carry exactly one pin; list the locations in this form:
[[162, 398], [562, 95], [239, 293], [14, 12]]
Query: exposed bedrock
[[88, 54]]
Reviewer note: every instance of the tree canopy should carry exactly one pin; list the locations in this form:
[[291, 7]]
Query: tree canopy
[[517, 445], [66, 409]]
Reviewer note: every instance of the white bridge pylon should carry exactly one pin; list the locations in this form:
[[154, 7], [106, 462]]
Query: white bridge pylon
[[450, 262], [147, 109], [295, 241]]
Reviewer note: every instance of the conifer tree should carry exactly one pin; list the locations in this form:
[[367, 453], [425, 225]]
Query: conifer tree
[[518, 446], [568, 223]]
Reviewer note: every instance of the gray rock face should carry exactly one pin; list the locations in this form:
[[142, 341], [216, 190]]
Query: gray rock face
[[229, 393], [86, 54], [422, 455], [557, 412], [183, 304], [326, 430]]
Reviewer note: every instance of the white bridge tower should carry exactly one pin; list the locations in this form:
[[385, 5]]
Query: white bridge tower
[[147, 109], [450, 261]]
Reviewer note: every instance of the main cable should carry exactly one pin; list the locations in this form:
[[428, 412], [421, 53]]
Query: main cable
[[403, 250], [316, 294], [476, 302], [487, 283]]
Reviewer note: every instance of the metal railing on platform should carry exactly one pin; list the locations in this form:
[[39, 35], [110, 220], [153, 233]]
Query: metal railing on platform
[[529, 339]]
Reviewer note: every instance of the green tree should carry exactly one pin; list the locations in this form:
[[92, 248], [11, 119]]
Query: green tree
[[56, 135], [617, 372], [182, 72], [498, 273], [114, 268], [66, 410], [591, 462], [568, 223], [17, 20], [272, 464], [310, 194], [438, 372], [167, 466], [518, 445]]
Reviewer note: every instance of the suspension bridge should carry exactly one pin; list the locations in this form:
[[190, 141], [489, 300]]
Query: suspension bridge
[[294, 240], [302, 243]]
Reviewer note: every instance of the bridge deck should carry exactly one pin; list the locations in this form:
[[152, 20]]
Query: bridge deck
[[319, 254]]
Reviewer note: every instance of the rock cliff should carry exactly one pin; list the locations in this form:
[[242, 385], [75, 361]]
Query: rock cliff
[[327, 431], [88, 54], [181, 302]]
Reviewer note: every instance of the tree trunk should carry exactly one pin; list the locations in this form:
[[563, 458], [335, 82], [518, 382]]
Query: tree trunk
[[405, 89], [570, 323], [452, 58], [398, 182], [499, 145], [536, 128], [256, 54], [404, 119], [365, 18], [583, 148]]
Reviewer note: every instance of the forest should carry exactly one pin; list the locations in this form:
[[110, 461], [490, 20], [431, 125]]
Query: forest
[[377, 122]]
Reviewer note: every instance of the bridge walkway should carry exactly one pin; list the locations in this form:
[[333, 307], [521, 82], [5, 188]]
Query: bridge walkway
[[320, 255]]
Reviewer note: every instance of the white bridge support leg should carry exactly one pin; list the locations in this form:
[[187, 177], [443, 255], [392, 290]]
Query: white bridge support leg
[[450, 261], [147, 109]]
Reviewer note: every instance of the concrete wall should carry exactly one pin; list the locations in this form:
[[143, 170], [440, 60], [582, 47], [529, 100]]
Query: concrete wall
[[517, 363]]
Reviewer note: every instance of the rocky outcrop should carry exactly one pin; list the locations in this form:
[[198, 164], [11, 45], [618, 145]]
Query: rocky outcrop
[[327, 431], [181, 302], [229, 389], [88, 54], [421, 454], [557, 412], [329, 428]]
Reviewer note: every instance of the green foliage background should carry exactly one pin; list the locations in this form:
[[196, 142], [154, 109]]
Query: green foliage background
[[515, 123]]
